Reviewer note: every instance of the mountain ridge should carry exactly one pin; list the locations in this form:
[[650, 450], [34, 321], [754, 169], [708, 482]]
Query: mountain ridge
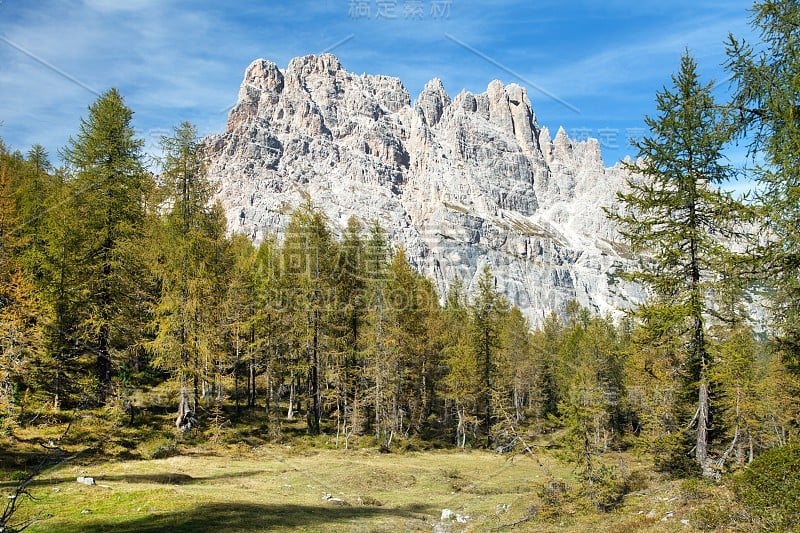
[[459, 182]]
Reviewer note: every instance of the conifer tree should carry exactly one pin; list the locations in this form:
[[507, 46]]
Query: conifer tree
[[515, 365], [309, 253], [460, 381], [376, 351], [766, 80], [34, 194], [487, 312], [545, 346], [20, 309], [272, 332], [109, 184], [185, 329], [240, 317], [351, 282], [674, 213], [410, 360], [60, 281], [757, 395], [591, 409]]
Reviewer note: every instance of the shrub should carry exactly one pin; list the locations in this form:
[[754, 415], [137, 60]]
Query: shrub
[[670, 457], [161, 449], [769, 488]]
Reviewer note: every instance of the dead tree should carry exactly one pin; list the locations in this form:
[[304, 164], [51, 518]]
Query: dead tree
[[186, 419]]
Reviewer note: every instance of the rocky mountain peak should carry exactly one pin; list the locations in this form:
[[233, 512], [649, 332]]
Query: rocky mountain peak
[[432, 102], [324, 65], [459, 183]]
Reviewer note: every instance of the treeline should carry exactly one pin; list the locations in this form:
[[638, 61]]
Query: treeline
[[113, 280]]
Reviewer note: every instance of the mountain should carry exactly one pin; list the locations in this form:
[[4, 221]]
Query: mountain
[[459, 183]]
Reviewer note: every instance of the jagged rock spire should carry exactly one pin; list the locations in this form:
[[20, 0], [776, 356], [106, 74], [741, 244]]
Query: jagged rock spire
[[458, 182]]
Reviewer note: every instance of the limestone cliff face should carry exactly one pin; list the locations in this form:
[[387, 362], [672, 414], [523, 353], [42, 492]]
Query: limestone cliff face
[[459, 183]]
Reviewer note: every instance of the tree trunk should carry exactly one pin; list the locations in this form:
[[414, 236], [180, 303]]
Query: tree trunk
[[316, 400], [701, 448], [103, 364], [236, 376], [57, 390], [251, 383], [290, 411]]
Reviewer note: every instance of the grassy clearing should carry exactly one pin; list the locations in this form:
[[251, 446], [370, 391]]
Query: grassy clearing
[[230, 478], [290, 488]]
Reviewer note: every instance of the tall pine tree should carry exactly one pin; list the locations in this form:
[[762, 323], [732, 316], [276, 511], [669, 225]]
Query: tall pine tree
[[766, 79], [109, 184], [185, 328], [487, 312], [674, 214]]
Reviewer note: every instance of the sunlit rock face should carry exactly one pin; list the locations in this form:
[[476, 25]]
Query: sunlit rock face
[[458, 182]]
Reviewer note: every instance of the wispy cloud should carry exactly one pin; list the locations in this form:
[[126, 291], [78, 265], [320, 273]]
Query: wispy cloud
[[642, 58]]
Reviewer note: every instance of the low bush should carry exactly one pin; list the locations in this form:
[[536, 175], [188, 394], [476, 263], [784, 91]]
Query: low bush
[[769, 489]]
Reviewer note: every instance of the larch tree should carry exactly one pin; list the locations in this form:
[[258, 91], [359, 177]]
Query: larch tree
[[309, 253], [545, 345], [409, 351], [184, 331], [34, 195], [272, 332], [240, 318], [766, 102], [109, 184], [60, 280], [461, 378], [516, 367], [487, 312], [674, 214], [20, 310], [590, 410], [351, 283], [376, 347]]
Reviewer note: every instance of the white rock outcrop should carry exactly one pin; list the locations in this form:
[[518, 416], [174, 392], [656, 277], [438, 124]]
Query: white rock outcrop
[[459, 183]]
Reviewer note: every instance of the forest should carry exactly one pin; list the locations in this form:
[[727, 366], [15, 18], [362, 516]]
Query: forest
[[123, 292]]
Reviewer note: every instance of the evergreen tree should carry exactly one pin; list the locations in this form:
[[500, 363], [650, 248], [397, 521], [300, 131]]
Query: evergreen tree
[[461, 379], [766, 79], [545, 346], [351, 282], [487, 312], [184, 325], [272, 332], [109, 185], [591, 408], [411, 359], [516, 369], [736, 375], [60, 281], [376, 350], [758, 395], [240, 317], [655, 392], [674, 213], [309, 253], [20, 309], [34, 196]]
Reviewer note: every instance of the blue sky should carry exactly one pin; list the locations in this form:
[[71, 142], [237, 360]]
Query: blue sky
[[590, 66]]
